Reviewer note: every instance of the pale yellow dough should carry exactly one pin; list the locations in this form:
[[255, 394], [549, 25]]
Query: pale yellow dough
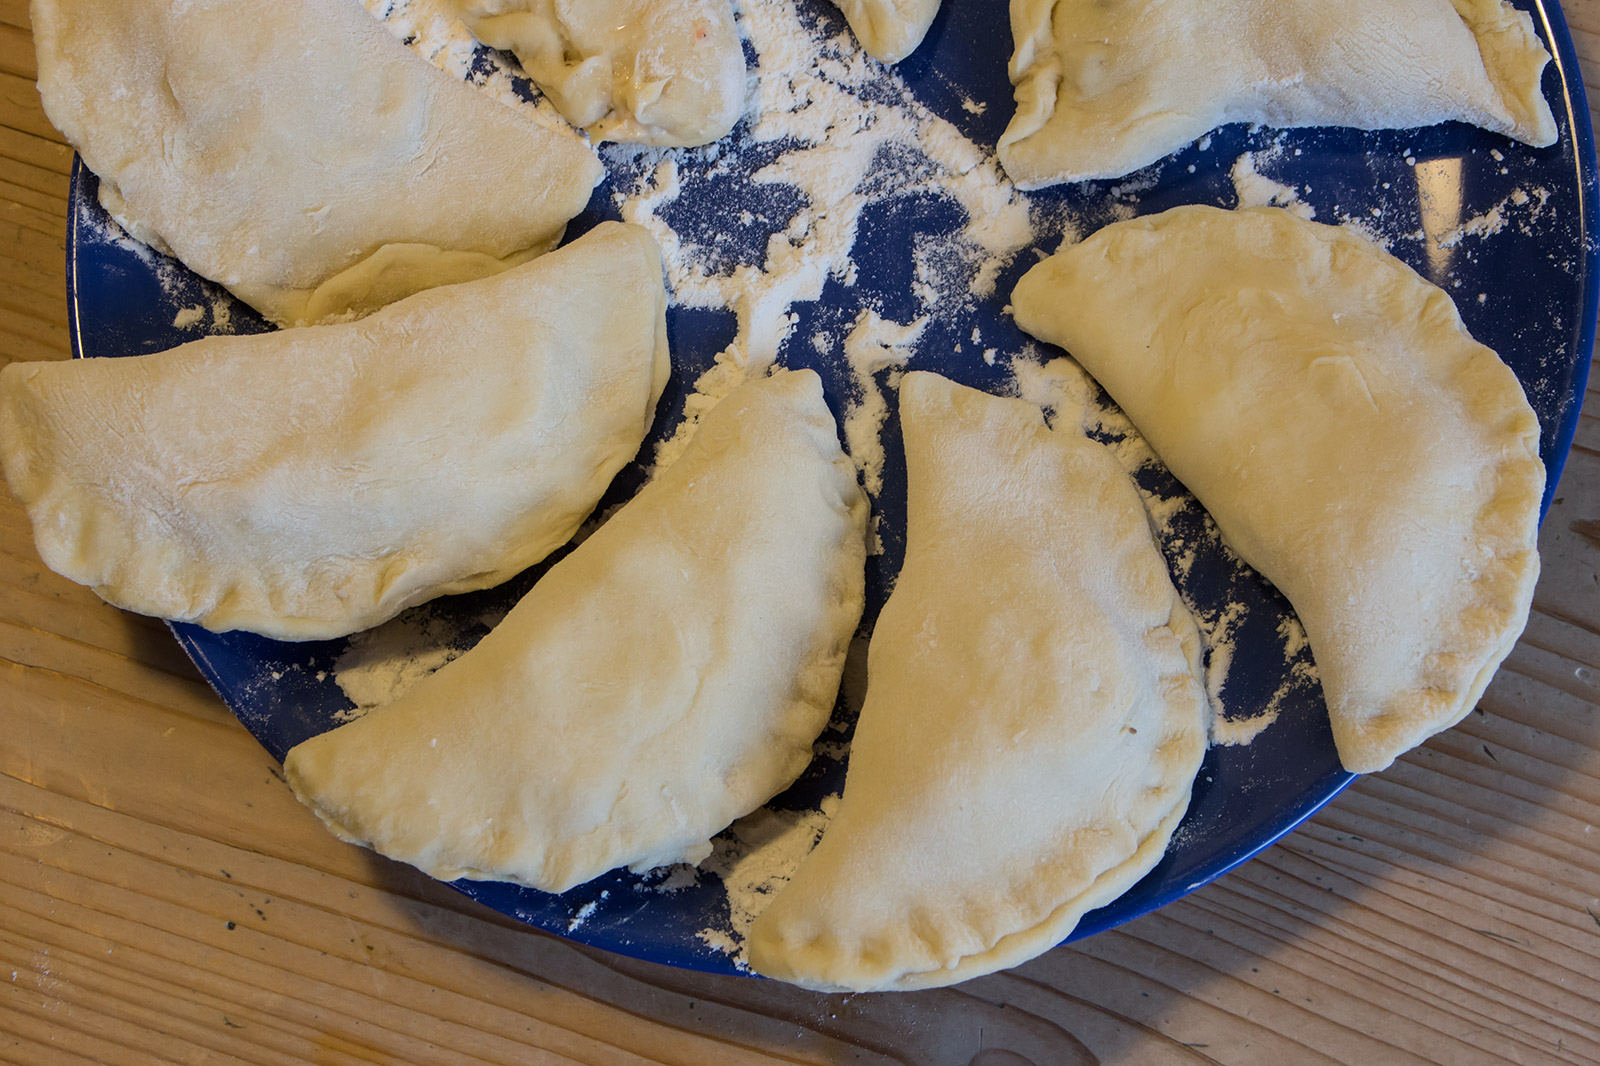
[[1034, 716], [889, 30], [667, 677], [308, 483], [668, 72], [1105, 87], [1352, 441], [297, 153]]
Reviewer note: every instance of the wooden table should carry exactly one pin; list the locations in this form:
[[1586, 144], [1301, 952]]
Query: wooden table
[[164, 898]]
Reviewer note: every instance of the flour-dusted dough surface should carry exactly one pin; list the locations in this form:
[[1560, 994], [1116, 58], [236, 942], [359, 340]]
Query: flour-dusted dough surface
[[312, 482], [890, 30], [1034, 715], [667, 677], [667, 72], [1105, 87], [297, 153], [1352, 441]]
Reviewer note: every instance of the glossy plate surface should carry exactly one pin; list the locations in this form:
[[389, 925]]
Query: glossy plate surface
[[1526, 286]]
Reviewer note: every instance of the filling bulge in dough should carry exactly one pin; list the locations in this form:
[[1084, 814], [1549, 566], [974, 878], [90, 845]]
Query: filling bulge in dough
[[666, 678], [1034, 715], [308, 483], [1351, 439], [665, 72], [227, 133], [889, 30], [1105, 87]]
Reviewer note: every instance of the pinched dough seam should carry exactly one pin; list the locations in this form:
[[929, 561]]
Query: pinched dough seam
[[1035, 71], [1505, 592], [1517, 84], [1058, 923]]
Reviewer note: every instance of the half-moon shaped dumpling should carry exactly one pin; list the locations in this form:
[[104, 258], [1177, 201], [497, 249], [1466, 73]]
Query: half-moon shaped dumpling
[[1034, 715], [668, 72], [1105, 87], [667, 677], [312, 482], [890, 30], [1352, 441], [298, 154]]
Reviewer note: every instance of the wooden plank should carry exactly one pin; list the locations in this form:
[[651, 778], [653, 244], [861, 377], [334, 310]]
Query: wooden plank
[[52, 178], [49, 222], [20, 105], [33, 331], [15, 13], [49, 154], [53, 204], [43, 287], [16, 52]]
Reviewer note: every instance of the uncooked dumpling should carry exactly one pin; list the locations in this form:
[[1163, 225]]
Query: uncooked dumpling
[[1105, 87], [299, 154], [312, 482], [889, 29], [1034, 715], [667, 677], [1352, 441], [667, 72]]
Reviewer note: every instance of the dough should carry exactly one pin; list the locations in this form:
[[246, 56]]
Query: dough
[[889, 29], [1352, 441], [297, 153], [665, 678], [1034, 716], [312, 482], [1105, 87], [667, 72]]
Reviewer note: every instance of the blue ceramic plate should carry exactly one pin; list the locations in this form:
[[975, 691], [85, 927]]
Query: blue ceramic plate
[[1528, 289]]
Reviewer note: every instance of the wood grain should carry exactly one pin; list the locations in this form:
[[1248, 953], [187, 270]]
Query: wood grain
[[164, 899]]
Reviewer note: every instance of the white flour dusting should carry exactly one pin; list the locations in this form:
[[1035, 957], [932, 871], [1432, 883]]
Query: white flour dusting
[[177, 284], [874, 345], [1492, 221], [838, 136], [673, 878], [1256, 190], [1294, 636], [379, 665], [1061, 386], [585, 912], [754, 858], [431, 29], [221, 314], [1302, 676]]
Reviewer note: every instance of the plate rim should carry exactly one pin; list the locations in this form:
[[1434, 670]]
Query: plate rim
[[1580, 125]]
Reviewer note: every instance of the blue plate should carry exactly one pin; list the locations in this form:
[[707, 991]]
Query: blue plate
[[1537, 307]]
